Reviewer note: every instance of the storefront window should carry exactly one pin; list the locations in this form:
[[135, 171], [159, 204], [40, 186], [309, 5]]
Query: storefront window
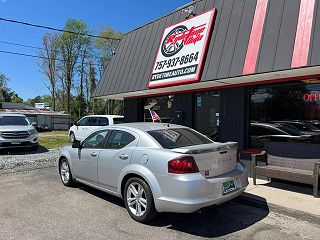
[[288, 112], [207, 113], [161, 105]]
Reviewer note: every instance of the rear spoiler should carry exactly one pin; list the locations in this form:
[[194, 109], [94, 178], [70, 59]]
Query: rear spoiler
[[213, 147]]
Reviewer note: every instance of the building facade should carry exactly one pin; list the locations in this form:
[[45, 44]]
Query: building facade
[[250, 71]]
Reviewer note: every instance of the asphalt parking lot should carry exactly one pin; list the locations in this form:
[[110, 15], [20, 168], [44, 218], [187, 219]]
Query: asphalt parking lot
[[35, 205]]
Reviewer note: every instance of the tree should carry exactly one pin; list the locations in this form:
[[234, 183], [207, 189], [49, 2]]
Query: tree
[[49, 56], [15, 98], [71, 45], [107, 46], [4, 90]]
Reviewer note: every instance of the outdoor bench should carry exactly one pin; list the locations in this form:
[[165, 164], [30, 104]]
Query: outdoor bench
[[296, 162]]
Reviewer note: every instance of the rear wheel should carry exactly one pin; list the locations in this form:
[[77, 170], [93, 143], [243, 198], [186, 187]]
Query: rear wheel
[[65, 173], [139, 201]]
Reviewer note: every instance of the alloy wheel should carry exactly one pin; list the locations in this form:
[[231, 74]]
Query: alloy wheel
[[136, 199], [65, 172]]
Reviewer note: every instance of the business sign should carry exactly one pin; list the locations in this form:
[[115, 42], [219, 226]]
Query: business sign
[[311, 97], [182, 51]]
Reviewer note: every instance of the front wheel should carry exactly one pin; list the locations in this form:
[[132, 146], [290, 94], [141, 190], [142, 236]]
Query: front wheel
[[65, 173], [139, 201], [72, 137]]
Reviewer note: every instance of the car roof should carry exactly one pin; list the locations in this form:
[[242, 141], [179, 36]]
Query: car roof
[[146, 126], [264, 124], [112, 116], [12, 114]]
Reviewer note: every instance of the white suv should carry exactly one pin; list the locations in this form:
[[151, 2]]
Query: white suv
[[81, 129], [17, 131]]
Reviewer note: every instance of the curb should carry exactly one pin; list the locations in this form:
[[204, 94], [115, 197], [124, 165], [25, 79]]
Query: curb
[[305, 216]]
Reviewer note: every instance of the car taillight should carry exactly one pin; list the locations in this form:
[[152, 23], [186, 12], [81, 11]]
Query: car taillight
[[185, 164]]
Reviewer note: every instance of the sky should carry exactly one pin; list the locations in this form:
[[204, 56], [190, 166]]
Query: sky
[[24, 74]]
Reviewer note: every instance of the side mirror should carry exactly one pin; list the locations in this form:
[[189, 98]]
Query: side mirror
[[77, 144], [76, 124], [34, 124]]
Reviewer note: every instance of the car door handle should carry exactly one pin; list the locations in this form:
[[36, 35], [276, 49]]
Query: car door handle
[[123, 156], [94, 154]]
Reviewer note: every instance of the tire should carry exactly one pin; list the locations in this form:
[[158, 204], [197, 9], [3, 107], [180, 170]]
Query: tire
[[72, 137], [65, 173], [145, 200]]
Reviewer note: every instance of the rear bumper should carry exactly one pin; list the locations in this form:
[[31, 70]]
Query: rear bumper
[[190, 192]]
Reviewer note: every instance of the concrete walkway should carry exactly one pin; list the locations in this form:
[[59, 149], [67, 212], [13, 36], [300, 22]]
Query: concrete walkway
[[283, 195]]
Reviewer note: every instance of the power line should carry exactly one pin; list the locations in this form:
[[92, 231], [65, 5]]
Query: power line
[[34, 47], [55, 29], [35, 56]]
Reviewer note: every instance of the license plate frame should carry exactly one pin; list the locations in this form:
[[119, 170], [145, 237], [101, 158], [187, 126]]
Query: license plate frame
[[228, 186], [15, 142]]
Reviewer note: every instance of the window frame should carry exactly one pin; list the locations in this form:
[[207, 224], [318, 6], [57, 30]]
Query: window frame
[[97, 132], [122, 130]]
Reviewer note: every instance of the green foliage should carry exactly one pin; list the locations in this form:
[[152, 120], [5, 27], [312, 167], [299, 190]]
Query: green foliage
[[38, 99], [6, 95], [15, 98]]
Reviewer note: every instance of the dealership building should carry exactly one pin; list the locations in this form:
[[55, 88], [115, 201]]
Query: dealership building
[[224, 68]]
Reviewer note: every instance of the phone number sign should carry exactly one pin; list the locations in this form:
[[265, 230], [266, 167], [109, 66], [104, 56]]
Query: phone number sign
[[182, 51]]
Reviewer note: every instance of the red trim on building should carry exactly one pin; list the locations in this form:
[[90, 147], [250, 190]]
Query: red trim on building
[[255, 37], [228, 86], [303, 34]]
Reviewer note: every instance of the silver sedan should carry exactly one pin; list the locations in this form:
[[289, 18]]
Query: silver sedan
[[155, 167]]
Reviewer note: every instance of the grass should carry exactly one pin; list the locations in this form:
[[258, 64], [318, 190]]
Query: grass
[[54, 139]]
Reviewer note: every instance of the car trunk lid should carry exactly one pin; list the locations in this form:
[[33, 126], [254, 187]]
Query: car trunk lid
[[212, 159]]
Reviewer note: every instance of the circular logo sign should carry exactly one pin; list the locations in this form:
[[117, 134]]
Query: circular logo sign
[[171, 47]]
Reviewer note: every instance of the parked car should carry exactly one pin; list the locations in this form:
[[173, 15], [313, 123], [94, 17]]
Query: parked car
[[81, 129], [17, 131], [155, 167], [303, 127], [261, 132]]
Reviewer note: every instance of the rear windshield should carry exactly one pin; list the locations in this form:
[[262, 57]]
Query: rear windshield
[[118, 120], [178, 137], [13, 120]]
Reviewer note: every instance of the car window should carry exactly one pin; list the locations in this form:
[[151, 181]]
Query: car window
[[103, 121], [178, 137], [93, 121], [119, 139], [300, 126], [83, 122], [13, 120], [118, 120], [95, 140], [258, 130]]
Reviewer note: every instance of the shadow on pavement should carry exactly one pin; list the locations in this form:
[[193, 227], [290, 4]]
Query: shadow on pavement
[[291, 186], [102, 195], [23, 151], [210, 222]]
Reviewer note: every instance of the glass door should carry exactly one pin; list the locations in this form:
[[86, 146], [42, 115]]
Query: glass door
[[207, 118]]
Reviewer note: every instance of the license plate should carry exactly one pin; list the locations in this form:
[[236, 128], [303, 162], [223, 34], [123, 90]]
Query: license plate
[[228, 187], [15, 142]]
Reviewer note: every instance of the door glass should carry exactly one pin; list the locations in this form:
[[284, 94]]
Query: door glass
[[207, 113], [83, 122], [93, 121], [103, 121], [95, 140], [119, 139]]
